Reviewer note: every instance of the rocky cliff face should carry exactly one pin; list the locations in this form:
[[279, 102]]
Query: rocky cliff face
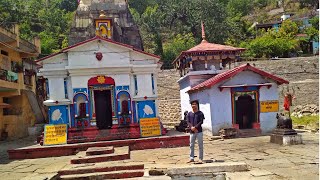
[[124, 30], [302, 73]]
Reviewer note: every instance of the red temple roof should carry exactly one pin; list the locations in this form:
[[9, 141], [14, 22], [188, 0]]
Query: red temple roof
[[232, 72], [93, 39], [205, 46]]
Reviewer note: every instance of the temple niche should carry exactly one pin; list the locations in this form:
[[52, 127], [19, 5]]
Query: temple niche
[[117, 23]]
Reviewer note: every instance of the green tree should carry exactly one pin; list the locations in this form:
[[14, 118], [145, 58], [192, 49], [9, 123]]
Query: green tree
[[288, 29], [274, 43], [140, 6], [173, 48], [151, 20]]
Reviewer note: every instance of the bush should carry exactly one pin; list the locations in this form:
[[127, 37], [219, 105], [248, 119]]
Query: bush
[[274, 43]]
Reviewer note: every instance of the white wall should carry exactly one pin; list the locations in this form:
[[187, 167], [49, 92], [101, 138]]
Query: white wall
[[245, 77], [268, 121], [204, 105], [221, 109], [144, 85], [184, 96], [69, 89], [113, 55], [56, 85], [195, 80]]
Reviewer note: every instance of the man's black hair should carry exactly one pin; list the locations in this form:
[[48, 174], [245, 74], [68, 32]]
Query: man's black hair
[[194, 101]]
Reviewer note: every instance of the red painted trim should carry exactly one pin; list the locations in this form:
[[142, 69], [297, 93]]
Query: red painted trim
[[236, 126], [257, 96], [256, 125], [94, 81], [101, 39], [246, 86], [71, 149], [233, 72]]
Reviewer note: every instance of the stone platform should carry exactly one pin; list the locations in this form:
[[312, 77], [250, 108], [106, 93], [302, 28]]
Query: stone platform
[[173, 139], [285, 137]]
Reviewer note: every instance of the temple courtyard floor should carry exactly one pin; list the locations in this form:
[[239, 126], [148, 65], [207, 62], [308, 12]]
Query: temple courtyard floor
[[263, 159]]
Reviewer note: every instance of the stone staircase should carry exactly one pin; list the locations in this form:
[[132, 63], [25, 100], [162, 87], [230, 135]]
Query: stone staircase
[[102, 163], [242, 133]]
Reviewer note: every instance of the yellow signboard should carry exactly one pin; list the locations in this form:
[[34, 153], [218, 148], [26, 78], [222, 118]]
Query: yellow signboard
[[55, 134], [269, 106], [150, 127]]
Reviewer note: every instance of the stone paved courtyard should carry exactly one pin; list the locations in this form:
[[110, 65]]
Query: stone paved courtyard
[[265, 160]]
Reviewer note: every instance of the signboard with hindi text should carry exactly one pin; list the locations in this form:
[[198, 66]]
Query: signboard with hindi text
[[269, 106], [55, 134], [150, 127]]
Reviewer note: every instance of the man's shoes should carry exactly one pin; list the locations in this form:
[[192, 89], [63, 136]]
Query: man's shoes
[[191, 161], [199, 162]]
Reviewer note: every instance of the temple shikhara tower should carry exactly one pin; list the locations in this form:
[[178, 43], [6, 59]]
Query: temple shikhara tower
[[103, 84], [230, 95], [111, 19]]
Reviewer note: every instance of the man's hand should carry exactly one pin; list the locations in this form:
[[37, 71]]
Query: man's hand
[[194, 129]]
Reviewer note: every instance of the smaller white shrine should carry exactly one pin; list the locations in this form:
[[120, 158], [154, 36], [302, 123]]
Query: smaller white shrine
[[229, 95]]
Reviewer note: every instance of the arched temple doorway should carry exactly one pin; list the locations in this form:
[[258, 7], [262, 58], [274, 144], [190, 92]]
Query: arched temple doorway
[[102, 104]]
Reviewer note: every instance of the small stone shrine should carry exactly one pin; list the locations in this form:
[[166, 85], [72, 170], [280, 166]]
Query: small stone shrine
[[284, 134]]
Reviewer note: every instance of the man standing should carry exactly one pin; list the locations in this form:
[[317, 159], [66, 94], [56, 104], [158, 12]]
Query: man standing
[[195, 120]]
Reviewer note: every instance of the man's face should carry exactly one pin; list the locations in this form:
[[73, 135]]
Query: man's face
[[194, 106]]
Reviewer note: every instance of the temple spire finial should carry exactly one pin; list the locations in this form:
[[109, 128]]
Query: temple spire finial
[[203, 32]]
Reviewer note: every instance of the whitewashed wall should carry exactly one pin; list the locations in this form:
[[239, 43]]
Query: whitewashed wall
[[221, 109], [56, 85], [204, 105], [184, 96], [245, 77], [113, 55], [144, 85], [268, 121], [69, 89]]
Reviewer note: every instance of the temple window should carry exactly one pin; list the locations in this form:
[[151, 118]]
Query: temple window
[[47, 88], [124, 102], [65, 88], [135, 84], [152, 81], [81, 107]]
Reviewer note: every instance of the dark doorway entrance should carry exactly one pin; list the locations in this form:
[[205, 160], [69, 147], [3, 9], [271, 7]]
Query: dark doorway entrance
[[103, 108], [245, 111]]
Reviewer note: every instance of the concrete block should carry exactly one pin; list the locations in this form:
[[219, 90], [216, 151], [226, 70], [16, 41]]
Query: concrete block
[[286, 140], [208, 168]]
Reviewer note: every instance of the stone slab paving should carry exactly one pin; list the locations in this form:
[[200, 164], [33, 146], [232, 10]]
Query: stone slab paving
[[265, 160]]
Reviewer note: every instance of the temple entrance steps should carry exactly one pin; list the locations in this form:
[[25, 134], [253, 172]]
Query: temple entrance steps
[[102, 163], [242, 133], [120, 153]]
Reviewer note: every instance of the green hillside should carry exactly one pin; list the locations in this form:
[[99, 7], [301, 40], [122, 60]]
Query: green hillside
[[171, 26]]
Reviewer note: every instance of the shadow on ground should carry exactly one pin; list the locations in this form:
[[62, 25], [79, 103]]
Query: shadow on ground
[[14, 144]]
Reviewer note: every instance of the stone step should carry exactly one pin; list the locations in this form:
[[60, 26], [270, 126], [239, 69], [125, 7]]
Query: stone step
[[121, 153], [249, 133], [99, 150], [105, 175], [207, 168], [99, 167]]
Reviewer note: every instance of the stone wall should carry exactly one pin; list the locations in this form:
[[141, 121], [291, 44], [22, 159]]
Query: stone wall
[[170, 111], [302, 73]]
